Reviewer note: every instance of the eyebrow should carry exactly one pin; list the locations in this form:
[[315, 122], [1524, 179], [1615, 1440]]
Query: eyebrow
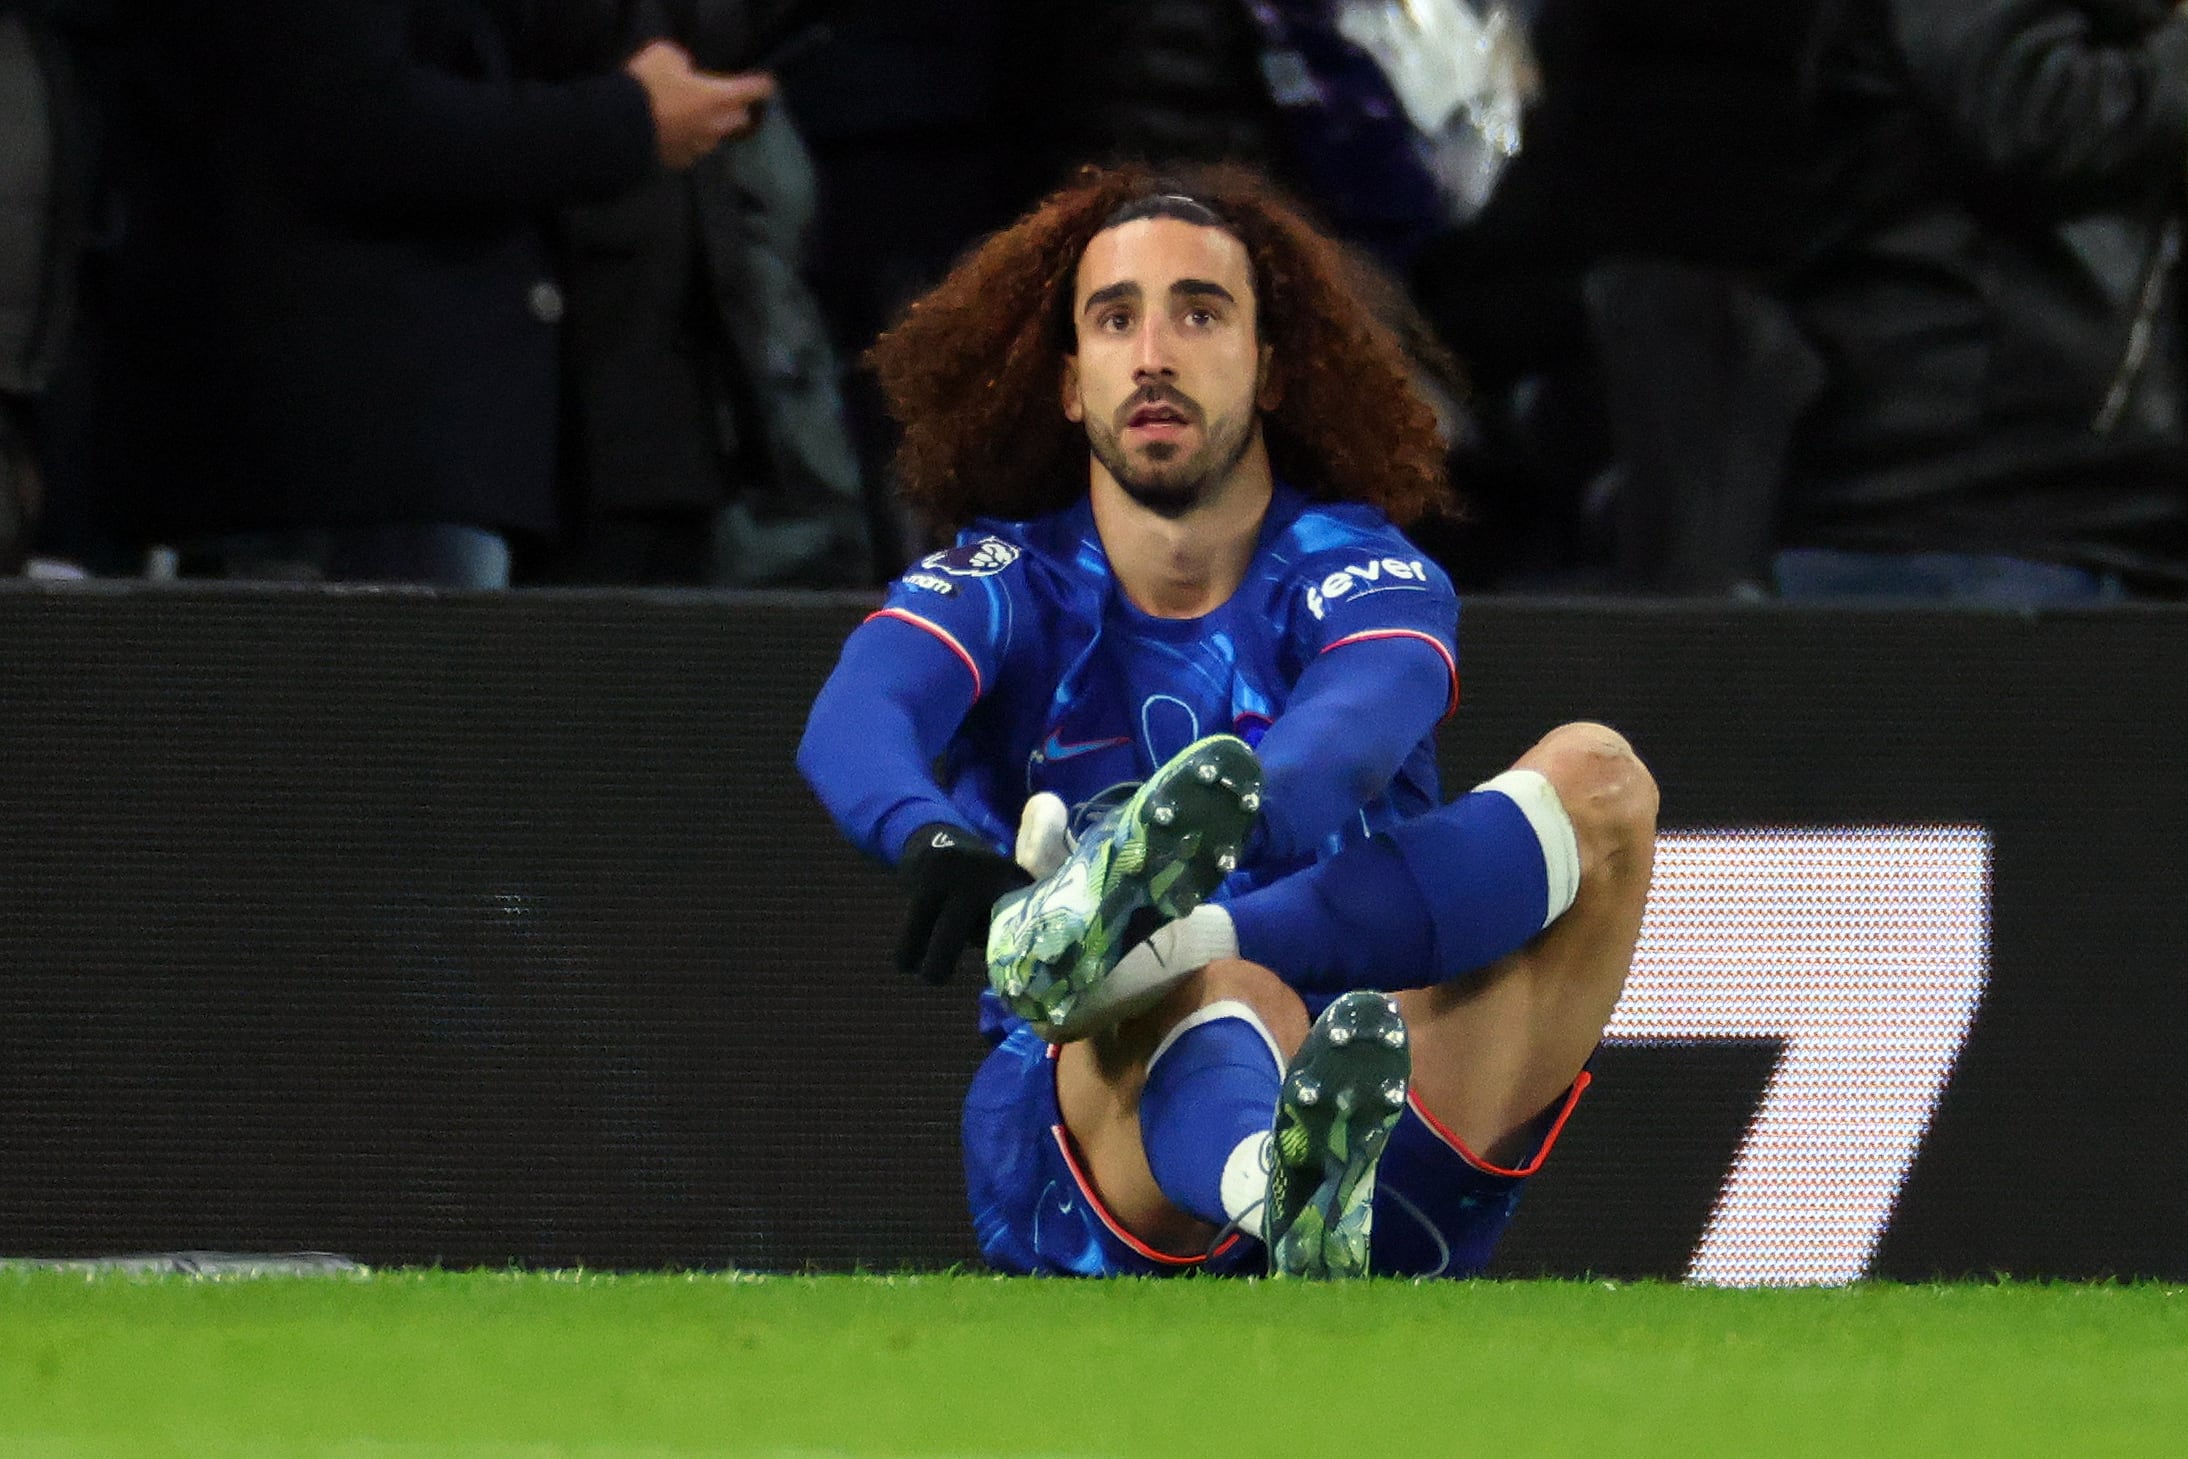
[[1194, 288], [1183, 289], [1110, 293]]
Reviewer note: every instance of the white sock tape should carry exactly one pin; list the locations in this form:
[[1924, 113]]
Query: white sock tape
[[1537, 800], [1209, 1013]]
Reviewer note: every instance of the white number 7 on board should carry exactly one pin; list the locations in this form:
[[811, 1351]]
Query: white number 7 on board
[[1866, 950]]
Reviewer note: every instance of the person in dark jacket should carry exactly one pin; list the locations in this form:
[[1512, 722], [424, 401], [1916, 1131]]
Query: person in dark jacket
[[1995, 295], [330, 329], [705, 432]]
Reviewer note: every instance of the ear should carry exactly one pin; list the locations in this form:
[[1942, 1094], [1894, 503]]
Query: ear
[[1268, 381], [1073, 410]]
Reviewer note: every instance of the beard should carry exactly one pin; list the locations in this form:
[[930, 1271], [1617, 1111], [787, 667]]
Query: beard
[[1163, 480]]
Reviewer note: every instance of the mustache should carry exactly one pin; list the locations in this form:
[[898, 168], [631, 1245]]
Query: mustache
[[1158, 394]]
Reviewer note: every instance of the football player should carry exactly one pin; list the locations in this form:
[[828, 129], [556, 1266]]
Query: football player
[[1276, 1004]]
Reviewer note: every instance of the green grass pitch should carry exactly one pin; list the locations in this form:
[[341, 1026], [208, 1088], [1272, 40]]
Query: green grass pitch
[[505, 1366]]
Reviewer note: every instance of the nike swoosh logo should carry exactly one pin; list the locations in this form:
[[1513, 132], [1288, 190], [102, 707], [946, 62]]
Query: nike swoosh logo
[[1053, 748]]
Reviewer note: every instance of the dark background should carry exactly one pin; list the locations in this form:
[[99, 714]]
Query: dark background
[[501, 929]]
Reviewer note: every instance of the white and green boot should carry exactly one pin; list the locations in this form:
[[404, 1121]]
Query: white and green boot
[[1053, 945], [1340, 1100]]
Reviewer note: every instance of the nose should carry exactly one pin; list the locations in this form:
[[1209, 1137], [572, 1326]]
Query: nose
[[1153, 358]]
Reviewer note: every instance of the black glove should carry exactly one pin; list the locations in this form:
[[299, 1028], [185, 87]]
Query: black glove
[[954, 878]]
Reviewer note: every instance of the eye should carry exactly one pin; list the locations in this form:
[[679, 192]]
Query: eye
[[1115, 321]]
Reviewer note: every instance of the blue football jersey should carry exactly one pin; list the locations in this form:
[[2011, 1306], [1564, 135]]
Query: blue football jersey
[[1079, 692]]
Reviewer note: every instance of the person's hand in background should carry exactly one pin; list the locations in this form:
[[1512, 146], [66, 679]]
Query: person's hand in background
[[696, 111]]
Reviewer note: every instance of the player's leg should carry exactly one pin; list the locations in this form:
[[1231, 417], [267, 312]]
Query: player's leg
[[1503, 1011], [1508, 917], [1496, 1049], [1161, 1105], [1456, 900], [1171, 1114], [1170, 1111]]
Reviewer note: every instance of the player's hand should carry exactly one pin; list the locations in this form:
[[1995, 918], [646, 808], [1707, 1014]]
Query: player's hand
[[695, 111], [954, 878]]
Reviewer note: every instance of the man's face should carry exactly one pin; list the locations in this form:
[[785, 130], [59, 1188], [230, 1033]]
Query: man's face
[[1170, 375]]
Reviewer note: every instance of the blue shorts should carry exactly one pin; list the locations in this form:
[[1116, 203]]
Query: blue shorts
[[1438, 1210]]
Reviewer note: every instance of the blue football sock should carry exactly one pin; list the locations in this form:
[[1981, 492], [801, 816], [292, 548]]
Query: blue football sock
[[1211, 1085], [1428, 900]]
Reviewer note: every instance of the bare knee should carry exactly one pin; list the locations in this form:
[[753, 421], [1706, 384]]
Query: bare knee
[[1234, 980], [1607, 793]]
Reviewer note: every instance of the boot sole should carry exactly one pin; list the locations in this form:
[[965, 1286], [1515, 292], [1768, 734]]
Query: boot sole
[[1341, 1098], [1174, 843]]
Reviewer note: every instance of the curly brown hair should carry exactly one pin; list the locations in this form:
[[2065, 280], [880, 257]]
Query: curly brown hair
[[971, 371]]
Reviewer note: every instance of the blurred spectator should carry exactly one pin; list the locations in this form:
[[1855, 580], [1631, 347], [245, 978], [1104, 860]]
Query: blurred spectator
[[45, 174], [706, 435], [60, 124], [1368, 96], [1995, 292], [330, 326], [1634, 383]]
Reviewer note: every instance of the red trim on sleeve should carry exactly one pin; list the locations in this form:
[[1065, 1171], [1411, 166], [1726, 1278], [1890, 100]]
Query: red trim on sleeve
[[905, 614], [1100, 1208], [1443, 1131], [1450, 663]]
